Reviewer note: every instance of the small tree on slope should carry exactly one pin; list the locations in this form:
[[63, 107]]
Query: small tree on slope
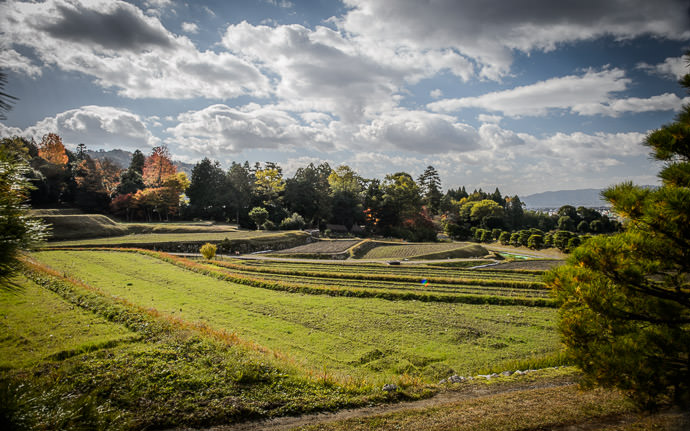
[[625, 299]]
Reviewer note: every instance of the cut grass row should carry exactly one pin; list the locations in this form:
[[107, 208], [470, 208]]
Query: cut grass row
[[416, 270], [397, 286], [372, 339], [369, 289], [381, 273]]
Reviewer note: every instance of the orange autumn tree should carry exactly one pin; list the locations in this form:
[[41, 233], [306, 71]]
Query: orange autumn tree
[[158, 167], [52, 150]]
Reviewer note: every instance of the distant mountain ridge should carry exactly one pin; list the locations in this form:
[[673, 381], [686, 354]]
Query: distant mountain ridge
[[122, 158], [581, 197], [556, 199]]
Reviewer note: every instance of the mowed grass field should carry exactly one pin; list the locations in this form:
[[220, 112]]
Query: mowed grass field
[[75, 359], [366, 339], [37, 324]]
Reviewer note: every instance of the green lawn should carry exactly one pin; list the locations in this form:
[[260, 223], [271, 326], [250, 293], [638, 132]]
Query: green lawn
[[367, 338], [75, 360], [37, 325]]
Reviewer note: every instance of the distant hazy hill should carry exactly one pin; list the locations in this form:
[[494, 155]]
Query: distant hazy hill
[[576, 198], [122, 158]]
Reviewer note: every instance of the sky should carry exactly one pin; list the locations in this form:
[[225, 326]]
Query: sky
[[527, 95]]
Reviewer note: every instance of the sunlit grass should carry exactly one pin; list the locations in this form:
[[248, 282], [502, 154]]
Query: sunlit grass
[[368, 338]]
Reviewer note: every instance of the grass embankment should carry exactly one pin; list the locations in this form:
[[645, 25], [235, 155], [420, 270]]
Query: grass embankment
[[190, 242], [371, 338], [74, 358], [381, 250], [68, 225]]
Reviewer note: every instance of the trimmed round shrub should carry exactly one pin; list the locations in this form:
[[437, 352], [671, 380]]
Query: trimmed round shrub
[[208, 250], [535, 242]]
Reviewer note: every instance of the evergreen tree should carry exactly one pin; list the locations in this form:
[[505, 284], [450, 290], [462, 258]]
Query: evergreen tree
[[206, 190], [6, 100], [137, 162], [514, 212], [625, 299], [308, 193], [240, 187], [430, 187], [17, 230]]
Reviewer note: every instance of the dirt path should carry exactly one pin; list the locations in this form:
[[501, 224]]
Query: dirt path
[[442, 398]]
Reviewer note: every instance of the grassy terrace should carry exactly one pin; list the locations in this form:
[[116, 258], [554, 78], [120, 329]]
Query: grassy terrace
[[366, 338], [420, 287], [435, 285], [432, 250], [147, 238], [75, 359], [414, 271]]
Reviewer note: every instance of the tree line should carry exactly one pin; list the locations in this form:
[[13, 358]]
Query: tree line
[[260, 196]]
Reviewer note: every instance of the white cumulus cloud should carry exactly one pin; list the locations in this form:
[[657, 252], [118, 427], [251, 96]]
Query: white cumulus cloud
[[220, 129], [95, 126], [120, 47]]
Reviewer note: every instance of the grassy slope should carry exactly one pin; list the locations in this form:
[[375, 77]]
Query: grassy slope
[[172, 374], [72, 225], [37, 324], [370, 338]]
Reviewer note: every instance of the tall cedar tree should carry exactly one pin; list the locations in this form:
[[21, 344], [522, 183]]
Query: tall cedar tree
[[430, 187], [206, 192], [625, 299]]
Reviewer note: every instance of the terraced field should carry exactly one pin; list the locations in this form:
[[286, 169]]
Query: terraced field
[[331, 246], [425, 251], [354, 270], [364, 338], [147, 238], [75, 358]]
